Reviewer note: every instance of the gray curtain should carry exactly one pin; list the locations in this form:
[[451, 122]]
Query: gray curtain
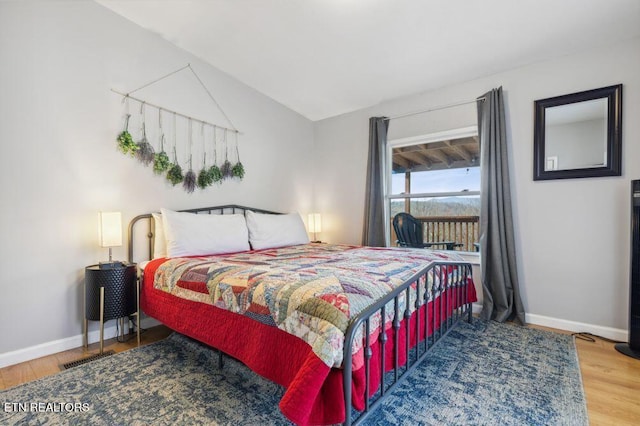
[[373, 230], [501, 292]]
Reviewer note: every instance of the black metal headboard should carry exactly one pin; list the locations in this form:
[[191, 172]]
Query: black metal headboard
[[228, 209]]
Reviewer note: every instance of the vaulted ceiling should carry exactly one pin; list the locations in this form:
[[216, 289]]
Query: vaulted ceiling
[[323, 58]]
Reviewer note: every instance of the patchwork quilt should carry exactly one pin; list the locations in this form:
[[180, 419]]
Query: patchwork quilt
[[311, 291]]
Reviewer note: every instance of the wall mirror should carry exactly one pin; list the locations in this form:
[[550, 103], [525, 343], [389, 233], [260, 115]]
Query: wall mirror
[[578, 135]]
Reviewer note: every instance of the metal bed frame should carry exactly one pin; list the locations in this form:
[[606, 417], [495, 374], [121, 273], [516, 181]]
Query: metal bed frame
[[448, 279]]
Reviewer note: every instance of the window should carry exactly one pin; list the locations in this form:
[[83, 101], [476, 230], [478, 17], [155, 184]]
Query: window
[[436, 178]]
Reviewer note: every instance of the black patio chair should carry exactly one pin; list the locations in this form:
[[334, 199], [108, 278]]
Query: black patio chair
[[409, 231], [410, 234]]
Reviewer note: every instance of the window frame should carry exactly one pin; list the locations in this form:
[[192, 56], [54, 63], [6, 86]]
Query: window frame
[[415, 140]]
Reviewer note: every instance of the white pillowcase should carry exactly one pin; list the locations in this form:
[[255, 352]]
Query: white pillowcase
[[159, 240], [275, 230], [189, 234]]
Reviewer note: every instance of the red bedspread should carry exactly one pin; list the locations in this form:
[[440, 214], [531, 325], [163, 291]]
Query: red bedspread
[[314, 392]]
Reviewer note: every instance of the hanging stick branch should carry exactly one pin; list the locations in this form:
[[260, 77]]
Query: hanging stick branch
[[149, 104]]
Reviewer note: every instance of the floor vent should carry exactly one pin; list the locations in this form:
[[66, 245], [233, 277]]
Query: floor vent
[[88, 359]]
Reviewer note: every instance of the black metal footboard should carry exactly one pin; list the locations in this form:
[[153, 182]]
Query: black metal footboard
[[445, 286]]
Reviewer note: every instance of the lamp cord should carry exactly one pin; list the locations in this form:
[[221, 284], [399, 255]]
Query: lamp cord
[[590, 337]]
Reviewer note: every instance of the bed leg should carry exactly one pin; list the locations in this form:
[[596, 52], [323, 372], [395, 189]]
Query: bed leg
[[220, 359]]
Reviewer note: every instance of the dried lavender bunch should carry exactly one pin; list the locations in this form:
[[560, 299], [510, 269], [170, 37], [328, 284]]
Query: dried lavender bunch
[[189, 183], [226, 169], [145, 153]]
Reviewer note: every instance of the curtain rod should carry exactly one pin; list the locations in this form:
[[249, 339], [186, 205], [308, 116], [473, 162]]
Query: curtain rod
[[433, 109]]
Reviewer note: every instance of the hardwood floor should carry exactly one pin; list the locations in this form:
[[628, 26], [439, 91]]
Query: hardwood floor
[[45, 366], [611, 380], [611, 384]]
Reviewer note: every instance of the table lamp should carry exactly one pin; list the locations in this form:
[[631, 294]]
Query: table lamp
[[315, 225], [110, 235]]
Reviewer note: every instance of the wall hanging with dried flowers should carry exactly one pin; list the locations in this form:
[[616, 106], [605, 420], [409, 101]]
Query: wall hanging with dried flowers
[[144, 151]]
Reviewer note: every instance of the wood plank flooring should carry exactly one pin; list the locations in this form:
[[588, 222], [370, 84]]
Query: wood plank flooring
[[611, 380], [45, 366]]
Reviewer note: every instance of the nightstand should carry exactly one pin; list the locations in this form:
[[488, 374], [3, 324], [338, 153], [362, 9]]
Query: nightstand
[[110, 292]]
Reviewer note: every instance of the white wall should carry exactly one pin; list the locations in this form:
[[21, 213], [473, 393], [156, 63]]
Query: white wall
[[572, 236], [59, 165]]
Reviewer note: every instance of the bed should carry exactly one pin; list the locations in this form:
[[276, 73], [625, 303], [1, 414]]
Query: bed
[[330, 323]]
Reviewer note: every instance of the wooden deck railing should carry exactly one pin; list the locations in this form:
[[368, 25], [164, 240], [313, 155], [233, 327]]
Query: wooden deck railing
[[462, 230]]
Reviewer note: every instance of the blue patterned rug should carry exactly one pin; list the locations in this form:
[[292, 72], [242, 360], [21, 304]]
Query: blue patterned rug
[[482, 374]]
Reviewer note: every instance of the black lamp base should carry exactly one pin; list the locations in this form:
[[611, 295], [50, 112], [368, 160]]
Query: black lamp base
[[624, 348]]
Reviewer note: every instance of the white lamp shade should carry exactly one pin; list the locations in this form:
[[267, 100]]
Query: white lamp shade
[[315, 222], [110, 230]]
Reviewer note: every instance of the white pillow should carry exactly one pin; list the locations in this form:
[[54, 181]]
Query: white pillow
[[190, 234], [275, 230], [159, 240]]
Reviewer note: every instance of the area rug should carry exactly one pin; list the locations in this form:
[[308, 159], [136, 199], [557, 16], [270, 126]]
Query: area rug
[[483, 373]]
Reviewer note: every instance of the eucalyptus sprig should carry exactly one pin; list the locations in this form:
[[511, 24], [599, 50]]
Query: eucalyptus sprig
[[174, 175], [238, 170], [204, 178], [216, 174], [125, 140], [126, 144], [161, 163]]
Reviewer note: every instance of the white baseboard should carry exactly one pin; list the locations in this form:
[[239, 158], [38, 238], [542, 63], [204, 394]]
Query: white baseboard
[[573, 326], [48, 348], [576, 327]]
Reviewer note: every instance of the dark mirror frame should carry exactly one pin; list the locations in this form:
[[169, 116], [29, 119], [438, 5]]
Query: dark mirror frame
[[613, 94]]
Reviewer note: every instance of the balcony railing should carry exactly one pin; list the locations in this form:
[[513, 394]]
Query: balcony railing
[[461, 230]]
